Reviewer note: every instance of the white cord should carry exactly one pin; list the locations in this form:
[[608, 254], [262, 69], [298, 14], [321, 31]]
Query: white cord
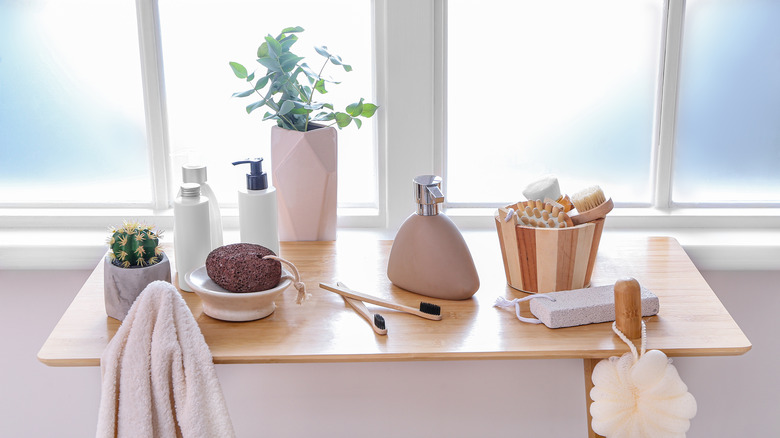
[[503, 302], [631, 344]]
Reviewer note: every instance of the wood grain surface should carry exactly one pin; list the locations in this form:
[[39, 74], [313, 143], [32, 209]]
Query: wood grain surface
[[691, 321]]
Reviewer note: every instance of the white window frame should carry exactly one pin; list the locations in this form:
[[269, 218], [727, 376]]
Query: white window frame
[[409, 39]]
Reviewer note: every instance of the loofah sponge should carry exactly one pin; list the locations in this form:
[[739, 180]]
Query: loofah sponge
[[640, 394]]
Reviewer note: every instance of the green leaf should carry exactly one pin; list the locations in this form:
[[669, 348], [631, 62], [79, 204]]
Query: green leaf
[[262, 51], [268, 115], [368, 109], [324, 117], [355, 109], [287, 105], [288, 61], [343, 119], [251, 77], [300, 111], [238, 69], [261, 83], [255, 106], [320, 86], [322, 50], [347, 67], [270, 64], [292, 29], [328, 105], [335, 59], [275, 48], [244, 93], [358, 122], [305, 92], [288, 41]]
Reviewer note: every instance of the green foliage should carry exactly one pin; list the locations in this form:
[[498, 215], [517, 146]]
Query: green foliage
[[289, 85], [134, 245]]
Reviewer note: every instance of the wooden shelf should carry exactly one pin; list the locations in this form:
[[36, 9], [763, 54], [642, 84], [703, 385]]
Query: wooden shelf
[[691, 321]]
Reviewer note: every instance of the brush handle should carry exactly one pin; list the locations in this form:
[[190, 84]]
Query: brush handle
[[628, 307], [349, 293], [361, 309], [599, 212]]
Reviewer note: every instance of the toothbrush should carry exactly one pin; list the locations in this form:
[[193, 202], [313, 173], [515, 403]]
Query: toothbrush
[[427, 310], [376, 320]]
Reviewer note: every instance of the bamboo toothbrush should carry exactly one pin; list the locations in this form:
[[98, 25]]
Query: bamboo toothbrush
[[426, 310], [376, 320]]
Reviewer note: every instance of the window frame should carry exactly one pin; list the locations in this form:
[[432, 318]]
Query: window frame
[[410, 129]]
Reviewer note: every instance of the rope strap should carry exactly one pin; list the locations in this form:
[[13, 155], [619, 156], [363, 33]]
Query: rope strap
[[504, 303], [631, 344], [302, 295]]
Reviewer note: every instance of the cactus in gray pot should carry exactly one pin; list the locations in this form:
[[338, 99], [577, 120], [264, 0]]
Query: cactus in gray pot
[[134, 245]]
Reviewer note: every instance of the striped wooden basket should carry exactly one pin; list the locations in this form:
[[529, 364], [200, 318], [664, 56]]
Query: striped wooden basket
[[547, 259]]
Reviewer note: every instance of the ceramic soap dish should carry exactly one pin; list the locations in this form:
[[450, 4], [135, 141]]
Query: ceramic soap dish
[[219, 303]]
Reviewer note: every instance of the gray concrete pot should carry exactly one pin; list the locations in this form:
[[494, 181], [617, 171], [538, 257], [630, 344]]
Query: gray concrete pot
[[121, 286]]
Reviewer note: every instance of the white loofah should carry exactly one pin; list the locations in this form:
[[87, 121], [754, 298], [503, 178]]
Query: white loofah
[[640, 396]]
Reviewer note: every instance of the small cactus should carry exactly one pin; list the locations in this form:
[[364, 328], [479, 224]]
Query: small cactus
[[134, 244]]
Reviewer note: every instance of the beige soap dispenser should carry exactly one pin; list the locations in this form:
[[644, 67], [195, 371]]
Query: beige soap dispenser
[[429, 255]]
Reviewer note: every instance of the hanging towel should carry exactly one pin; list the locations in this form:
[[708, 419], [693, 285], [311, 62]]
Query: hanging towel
[[158, 376]]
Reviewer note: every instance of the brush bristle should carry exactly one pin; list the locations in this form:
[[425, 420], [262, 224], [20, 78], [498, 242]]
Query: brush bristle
[[588, 199], [431, 309], [379, 321]]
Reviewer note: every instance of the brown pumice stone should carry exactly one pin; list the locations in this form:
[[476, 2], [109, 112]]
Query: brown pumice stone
[[240, 267]]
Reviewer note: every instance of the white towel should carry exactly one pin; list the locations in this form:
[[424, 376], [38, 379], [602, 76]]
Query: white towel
[[158, 375]]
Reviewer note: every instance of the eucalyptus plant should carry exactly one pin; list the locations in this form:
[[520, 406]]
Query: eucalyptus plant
[[291, 101]]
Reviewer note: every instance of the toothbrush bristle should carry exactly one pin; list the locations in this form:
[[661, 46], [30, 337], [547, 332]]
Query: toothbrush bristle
[[429, 308], [379, 321]]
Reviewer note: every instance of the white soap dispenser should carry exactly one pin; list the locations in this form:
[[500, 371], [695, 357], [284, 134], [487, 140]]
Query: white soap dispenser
[[257, 211], [196, 173], [191, 231]]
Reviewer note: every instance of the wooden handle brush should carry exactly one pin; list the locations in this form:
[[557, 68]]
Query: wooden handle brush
[[426, 310], [591, 204], [376, 320]]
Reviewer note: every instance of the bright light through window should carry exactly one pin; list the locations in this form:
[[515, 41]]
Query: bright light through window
[[728, 130], [566, 88], [207, 125], [71, 104]]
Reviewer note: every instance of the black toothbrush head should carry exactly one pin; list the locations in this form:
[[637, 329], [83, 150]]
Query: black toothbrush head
[[379, 321], [429, 308]]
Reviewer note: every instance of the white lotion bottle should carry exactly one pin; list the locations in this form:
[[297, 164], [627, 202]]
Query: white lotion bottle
[[196, 173], [257, 211], [191, 231]]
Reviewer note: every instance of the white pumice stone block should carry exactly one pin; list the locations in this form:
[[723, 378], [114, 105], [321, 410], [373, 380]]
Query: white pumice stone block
[[585, 306]]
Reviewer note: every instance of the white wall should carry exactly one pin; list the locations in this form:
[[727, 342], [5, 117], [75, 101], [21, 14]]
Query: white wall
[[737, 396]]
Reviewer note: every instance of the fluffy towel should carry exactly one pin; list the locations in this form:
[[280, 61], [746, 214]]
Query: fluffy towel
[[158, 376]]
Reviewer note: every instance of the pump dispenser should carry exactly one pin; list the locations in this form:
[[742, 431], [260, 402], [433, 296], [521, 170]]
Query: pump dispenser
[[196, 173], [429, 255], [257, 211]]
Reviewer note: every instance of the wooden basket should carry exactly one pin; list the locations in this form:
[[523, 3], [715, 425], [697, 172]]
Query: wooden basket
[[547, 259]]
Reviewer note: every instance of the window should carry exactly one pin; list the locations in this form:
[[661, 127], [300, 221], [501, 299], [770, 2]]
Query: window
[[727, 149], [586, 90], [598, 91], [71, 104], [566, 88]]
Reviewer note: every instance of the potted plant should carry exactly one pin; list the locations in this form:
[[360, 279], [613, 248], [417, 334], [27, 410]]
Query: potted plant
[[135, 259], [304, 140]]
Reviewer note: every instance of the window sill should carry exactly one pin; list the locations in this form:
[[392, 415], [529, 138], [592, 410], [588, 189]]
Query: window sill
[[74, 239]]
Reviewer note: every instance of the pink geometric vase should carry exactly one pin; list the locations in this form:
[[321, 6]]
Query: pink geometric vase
[[304, 171]]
